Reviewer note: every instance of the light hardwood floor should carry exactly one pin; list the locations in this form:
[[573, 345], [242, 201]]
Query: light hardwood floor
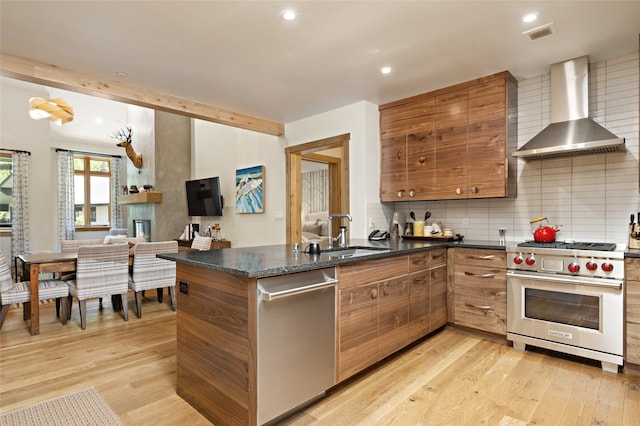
[[452, 378]]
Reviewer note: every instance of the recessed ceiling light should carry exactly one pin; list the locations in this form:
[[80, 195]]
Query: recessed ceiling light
[[122, 74], [385, 70], [289, 15], [530, 17]]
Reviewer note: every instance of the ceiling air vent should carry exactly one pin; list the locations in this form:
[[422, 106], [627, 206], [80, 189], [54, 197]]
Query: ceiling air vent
[[544, 31]]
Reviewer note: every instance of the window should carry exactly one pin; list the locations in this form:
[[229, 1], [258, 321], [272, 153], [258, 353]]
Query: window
[[92, 186], [6, 189]]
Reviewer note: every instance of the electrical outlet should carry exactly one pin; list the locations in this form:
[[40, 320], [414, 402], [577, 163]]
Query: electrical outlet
[[465, 222], [184, 287]]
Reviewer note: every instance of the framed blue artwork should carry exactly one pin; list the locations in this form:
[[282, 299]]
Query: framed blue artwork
[[250, 190]]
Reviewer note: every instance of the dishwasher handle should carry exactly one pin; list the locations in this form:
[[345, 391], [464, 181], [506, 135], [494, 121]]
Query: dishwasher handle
[[272, 295]]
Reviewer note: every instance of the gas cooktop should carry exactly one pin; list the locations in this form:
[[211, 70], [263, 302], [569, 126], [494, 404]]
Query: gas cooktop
[[571, 246]]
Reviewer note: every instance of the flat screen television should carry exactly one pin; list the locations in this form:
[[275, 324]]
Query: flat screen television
[[204, 197]]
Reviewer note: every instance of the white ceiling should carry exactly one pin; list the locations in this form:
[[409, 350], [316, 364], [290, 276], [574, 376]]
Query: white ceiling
[[241, 56]]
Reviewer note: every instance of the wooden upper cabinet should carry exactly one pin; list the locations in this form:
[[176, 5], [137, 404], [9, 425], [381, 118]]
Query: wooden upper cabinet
[[407, 151], [488, 143], [451, 145], [457, 142]]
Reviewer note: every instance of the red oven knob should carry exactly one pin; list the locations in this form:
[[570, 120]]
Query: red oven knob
[[592, 266], [607, 267], [574, 267], [517, 260], [531, 260]]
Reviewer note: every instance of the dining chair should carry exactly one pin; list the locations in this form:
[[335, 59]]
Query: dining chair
[[102, 270], [151, 272], [20, 292], [68, 246], [201, 243], [72, 245]]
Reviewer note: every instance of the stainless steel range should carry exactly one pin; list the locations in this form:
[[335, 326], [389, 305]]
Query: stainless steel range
[[567, 297]]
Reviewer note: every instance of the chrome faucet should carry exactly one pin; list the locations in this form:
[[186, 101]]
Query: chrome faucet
[[342, 242]]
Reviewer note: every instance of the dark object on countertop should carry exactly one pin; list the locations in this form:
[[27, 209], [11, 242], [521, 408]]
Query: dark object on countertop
[[427, 215], [413, 216], [133, 189], [148, 187], [314, 248], [408, 228], [377, 235]]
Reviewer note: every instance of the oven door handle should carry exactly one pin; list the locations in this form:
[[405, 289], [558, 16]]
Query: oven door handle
[[590, 281]]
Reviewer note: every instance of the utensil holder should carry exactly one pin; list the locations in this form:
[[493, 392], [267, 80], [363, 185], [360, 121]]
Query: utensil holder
[[634, 236]]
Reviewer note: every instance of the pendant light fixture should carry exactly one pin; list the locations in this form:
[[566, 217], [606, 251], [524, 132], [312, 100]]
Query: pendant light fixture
[[56, 110]]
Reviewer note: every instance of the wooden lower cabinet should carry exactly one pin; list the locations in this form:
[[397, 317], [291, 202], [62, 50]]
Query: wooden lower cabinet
[[419, 305], [438, 281], [393, 316], [358, 338], [632, 302], [479, 289], [386, 304]]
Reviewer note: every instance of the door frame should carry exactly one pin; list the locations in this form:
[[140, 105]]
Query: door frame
[[338, 179]]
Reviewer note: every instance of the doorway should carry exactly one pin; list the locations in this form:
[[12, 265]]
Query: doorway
[[332, 151]]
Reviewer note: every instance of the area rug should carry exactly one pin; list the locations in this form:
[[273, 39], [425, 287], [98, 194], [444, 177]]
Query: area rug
[[85, 407]]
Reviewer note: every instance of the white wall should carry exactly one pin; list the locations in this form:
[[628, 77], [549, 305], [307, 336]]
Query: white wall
[[361, 121], [590, 196], [220, 151], [19, 131]]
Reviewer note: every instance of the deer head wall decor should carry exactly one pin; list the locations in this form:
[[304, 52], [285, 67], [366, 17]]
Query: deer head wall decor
[[123, 136]]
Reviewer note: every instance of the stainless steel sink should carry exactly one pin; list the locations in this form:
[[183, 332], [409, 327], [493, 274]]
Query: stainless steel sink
[[346, 252]]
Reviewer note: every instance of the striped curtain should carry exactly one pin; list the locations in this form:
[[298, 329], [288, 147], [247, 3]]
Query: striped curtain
[[116, 181], [66, 220], [315, 192], [20, 237]]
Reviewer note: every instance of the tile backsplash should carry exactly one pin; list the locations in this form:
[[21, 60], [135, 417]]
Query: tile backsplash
[[590, 197]]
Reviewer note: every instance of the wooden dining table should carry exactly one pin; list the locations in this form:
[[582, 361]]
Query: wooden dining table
[[38, 263]]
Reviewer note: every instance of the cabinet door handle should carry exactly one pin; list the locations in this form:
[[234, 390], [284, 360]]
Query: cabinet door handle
[[471, 274], [422, 160], [459, 191], [488, 257], [474, 189], [483, 308], [398, 155], [374, 293], [412, 193]]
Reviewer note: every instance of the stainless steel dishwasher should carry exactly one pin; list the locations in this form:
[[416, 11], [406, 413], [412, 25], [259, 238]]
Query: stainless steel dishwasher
[[296, 340]]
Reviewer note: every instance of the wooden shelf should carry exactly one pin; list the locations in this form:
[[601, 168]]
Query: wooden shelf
[[140, 198], [185, 245]]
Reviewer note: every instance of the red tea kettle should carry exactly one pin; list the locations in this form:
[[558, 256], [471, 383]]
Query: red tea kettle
[[542, 232]]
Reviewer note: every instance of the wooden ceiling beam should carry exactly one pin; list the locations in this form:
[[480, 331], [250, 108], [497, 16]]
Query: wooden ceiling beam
[[50, 75]]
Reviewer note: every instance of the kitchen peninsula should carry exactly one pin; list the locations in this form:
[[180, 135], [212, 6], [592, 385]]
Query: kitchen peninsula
[[219, 361]]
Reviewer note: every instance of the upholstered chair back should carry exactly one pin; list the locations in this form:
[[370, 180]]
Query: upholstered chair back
[[102, 270], [72, 245], [150, 271], [6, 282]]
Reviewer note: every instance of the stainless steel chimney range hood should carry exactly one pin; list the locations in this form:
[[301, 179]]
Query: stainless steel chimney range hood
[[571, 131]]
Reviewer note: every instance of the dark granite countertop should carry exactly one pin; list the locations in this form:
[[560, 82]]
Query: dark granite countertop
[[264, 261]]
